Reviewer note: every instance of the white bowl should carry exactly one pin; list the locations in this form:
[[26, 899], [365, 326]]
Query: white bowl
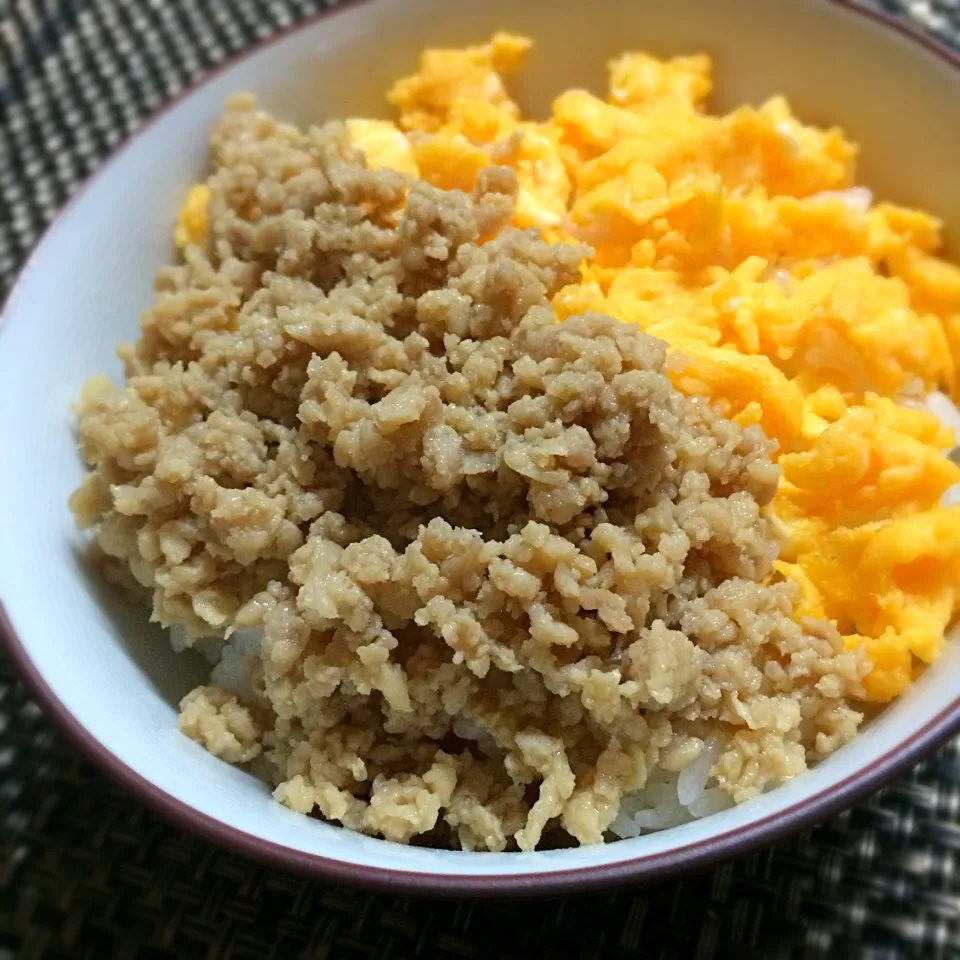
[[112, 681]]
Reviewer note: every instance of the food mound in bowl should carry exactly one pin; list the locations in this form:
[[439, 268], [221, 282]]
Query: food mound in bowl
[[474, 577]]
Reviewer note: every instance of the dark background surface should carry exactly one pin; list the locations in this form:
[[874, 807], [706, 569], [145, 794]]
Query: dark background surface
[[87, 872]]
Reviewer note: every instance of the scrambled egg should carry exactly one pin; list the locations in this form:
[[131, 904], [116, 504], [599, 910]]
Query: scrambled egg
[[790, 298], [191, 226]]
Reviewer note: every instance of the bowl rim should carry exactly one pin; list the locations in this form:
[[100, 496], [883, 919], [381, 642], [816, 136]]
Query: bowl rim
[[696, 854]]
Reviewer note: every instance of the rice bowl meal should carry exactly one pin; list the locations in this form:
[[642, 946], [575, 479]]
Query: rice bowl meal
[[530, 483]]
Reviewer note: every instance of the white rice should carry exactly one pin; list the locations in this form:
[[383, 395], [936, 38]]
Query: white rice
[[232, 671], [178, 638], [692, 780], [468, 730], [670, 799], [945, 410], [951, 496]]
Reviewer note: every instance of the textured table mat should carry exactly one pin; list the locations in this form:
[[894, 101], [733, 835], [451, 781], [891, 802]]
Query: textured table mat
[[86, 871]]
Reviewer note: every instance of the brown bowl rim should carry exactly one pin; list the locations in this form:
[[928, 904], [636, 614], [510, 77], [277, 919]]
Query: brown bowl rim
[[645, 868]]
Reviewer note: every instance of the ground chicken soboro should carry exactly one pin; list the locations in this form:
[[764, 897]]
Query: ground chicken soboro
[[503, 569]]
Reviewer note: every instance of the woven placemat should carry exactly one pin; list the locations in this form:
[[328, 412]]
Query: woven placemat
[[85, 871]]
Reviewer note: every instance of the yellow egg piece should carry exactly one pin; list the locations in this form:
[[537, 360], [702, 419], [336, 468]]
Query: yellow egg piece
[[383, 144], [191, 228], [447, 77]]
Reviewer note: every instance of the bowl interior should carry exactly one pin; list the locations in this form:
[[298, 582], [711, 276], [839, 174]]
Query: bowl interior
[[83, 290]]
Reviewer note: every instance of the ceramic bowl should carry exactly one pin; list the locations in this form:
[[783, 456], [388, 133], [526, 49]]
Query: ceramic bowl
[[112, 681]]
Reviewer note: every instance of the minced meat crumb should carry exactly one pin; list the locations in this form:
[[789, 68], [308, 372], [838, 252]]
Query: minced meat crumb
[[214, 718], [503, 569]]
